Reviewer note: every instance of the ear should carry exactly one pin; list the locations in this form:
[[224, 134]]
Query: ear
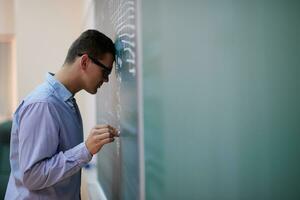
[[84, 61]]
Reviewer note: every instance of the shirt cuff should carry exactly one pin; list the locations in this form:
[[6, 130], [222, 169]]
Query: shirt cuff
[[87, 152], [81, 154]]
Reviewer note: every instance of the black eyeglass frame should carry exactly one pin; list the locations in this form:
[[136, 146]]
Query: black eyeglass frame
[[107, 70]]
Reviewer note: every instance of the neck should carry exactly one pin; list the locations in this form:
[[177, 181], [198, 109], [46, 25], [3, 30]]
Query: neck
[[67, 75]]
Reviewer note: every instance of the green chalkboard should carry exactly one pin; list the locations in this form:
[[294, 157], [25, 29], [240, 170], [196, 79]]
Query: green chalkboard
[[221, 99], [117, 104]]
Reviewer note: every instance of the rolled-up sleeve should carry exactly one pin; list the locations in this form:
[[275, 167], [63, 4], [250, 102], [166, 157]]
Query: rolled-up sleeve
[[41, 164]]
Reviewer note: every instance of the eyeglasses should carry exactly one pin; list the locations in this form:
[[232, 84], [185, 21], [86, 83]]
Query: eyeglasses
[[107, 70]]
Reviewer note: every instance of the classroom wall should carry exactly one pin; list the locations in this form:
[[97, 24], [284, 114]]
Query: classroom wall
[[6, 17], [7, 67], [44, 30]]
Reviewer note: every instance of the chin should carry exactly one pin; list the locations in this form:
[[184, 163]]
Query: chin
[[92, 91]]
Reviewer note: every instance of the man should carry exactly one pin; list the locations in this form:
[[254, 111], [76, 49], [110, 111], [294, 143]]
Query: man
[[47, 148]]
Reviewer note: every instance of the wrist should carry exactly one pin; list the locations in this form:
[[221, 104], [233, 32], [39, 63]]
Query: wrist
[[88, 148]]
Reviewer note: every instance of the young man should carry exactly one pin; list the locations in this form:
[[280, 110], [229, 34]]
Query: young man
[[47, 148]]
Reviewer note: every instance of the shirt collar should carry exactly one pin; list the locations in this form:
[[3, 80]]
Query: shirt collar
[[59, 88]]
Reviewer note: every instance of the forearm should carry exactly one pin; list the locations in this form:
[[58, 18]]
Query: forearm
[[50, 171]]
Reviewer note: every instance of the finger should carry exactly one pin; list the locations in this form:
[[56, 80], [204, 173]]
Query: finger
[[104, 126], [103, 136], [102, 131], [100, 126], [110, 127], [107, 140], [115, 132]]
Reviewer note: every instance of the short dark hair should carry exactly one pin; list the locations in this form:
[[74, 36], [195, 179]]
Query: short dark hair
[[91, 42]]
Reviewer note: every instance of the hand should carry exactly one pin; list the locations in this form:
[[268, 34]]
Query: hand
[[99, 136]]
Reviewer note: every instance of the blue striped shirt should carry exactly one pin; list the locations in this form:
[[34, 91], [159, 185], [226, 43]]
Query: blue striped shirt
[[47, 149]]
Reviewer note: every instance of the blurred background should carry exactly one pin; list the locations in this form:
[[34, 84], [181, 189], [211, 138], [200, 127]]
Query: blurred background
[[34, 39], [218, 82]]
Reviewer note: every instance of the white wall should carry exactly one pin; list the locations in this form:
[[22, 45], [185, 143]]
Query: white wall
[[44, 31], [6, 17], [7, 89]]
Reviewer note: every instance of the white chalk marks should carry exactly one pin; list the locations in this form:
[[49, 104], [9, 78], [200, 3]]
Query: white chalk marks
[[123, 21]]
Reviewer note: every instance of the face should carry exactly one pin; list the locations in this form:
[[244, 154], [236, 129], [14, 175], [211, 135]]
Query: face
[[97, 72]]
